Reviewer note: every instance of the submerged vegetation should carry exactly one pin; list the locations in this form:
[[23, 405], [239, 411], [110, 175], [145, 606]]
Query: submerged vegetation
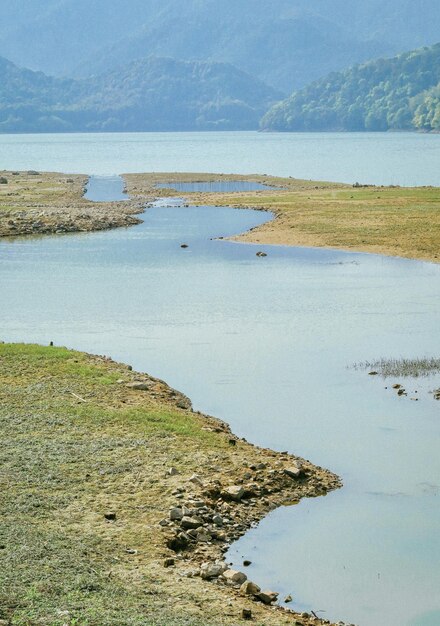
[[414, 368]]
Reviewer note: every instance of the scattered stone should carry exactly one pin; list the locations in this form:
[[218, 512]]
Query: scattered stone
[[203, 536], [110, 516], [246, 614], [217, 520], [131, 551], [397, 386], [191, 522], [235, 492], [176, 514], [294, 471], [139, 386], [249, 588], [261, 254], [184, 245], [373, 373], [234, 577], [212, 570], [267, 597], [288, 598], [169, 562], [196, 480], [172, 471], [247, 563], [401, 392]]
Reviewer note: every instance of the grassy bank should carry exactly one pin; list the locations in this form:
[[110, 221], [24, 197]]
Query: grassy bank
[[393, 221], [91, 466]]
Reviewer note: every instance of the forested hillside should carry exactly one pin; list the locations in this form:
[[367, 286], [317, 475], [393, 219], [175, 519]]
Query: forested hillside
[[152, 94], [400, 93], [287, 43]]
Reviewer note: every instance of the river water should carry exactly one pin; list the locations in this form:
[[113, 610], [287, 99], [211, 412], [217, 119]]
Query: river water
[[266, 344]]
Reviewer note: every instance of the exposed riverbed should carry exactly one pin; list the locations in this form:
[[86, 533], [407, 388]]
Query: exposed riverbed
[[264, 343]]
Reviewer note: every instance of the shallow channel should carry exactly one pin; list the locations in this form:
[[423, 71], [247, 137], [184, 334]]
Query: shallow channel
[[264, 343]]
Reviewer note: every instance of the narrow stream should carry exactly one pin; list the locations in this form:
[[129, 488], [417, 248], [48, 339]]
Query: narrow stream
[[267, 344]]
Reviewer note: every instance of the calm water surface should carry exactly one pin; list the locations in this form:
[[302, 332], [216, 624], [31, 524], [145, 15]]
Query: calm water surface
[[105, 189], [380, 158], [217, 186], [265, 345]]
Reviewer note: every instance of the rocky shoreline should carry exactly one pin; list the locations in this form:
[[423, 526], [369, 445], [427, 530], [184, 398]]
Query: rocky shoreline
[[34, 203], [211, 510]]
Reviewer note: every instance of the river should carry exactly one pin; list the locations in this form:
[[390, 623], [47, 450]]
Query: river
[[267, 345]]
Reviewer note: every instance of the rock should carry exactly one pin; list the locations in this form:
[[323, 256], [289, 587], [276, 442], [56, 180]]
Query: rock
[[184, 403], [184, 245], [196, 480], [139, 386], [288, 598], [267, 597], [293, 471], [3, 180], [203, 536], [234, 577], [172, 471], [261, 254], [247, 563], [110, 516], [235, 492], [217, 520], [212, 570], [176, 514], [249, 588], [191, 522], [401, 392], [372, 373], [168, 562], [397, 386], [246, 614]]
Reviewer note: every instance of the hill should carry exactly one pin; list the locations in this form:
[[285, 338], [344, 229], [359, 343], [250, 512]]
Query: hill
[[147, 95], [287, 43], [401, 93]]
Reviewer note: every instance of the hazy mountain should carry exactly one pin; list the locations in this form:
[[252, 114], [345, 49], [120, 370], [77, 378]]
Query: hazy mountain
[[286, 43], [151, 94], [398, 93]]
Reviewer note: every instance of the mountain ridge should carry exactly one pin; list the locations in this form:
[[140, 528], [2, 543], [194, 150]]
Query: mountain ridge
[[156, 93], [398, 93], [287, 44]]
